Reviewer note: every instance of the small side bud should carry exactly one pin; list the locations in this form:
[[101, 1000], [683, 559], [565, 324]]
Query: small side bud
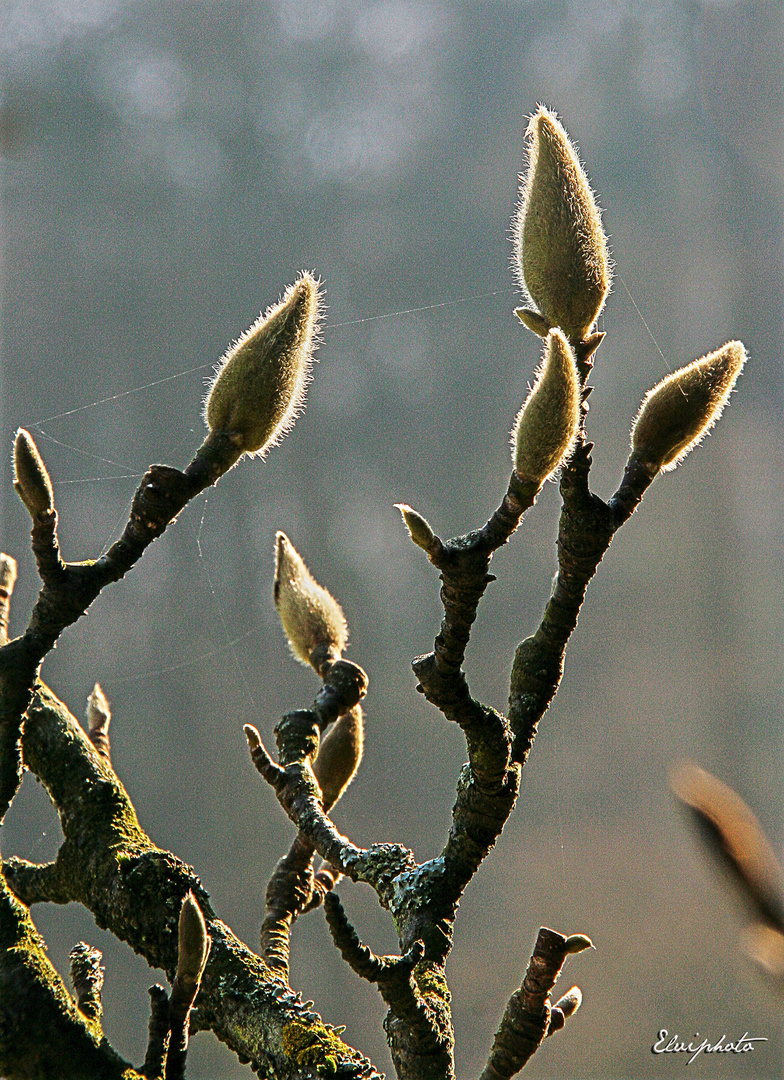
[[99, 716], [534, 321], [252, 735], [194, 942], [260, 383], [678, 413], [310, 616], [560, 246], [339, 756], [570, 1002], [576, 943], [31, 479], [547, 424], [418, 528]]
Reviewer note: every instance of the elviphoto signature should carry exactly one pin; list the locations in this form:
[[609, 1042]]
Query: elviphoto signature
[[666, 1044]]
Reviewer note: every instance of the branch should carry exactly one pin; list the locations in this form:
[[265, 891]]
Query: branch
[[68, 589], [392, 974], [294, 782], [294, 888], [528, 1018], [158, 1034], [135, 890], [586, 527], [299, 794], [290, 890], [464, 562], [40, 1026]]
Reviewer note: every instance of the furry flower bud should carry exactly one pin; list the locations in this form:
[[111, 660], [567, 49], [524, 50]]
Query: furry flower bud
[[31, 479], [547, 424], [418, 527], [678, 413], [560, 246], [310, 616], [339, 756], [260, 383], [193, 942]]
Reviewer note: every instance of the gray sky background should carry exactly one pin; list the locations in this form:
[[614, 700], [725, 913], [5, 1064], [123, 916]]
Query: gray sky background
[[167, 170]]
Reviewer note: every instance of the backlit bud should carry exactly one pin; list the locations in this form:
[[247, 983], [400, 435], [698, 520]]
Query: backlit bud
[[310, 616], [418, 528], [570, 1002], [560, 246], [31, 479], [547, 424], [339, 756], [193, 942], [679, 412], [576, 943], [260, 383]]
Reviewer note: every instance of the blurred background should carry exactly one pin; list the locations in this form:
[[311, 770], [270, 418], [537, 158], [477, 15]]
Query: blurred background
[[167, 169]]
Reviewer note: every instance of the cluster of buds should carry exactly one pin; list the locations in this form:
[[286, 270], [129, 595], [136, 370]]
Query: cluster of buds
[[563, 265], [316, 630]]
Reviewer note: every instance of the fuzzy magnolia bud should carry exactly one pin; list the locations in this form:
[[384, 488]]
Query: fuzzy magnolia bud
[[560, 245], [418, 527], [260, 383], [339, 756], [547, 424], [678, 413], [31, 479], [193, 942], [310, 616]]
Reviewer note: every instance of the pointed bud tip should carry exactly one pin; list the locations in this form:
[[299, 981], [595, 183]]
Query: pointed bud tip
[[310, 616], [259, 385], [547, 425], [677, 414]]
